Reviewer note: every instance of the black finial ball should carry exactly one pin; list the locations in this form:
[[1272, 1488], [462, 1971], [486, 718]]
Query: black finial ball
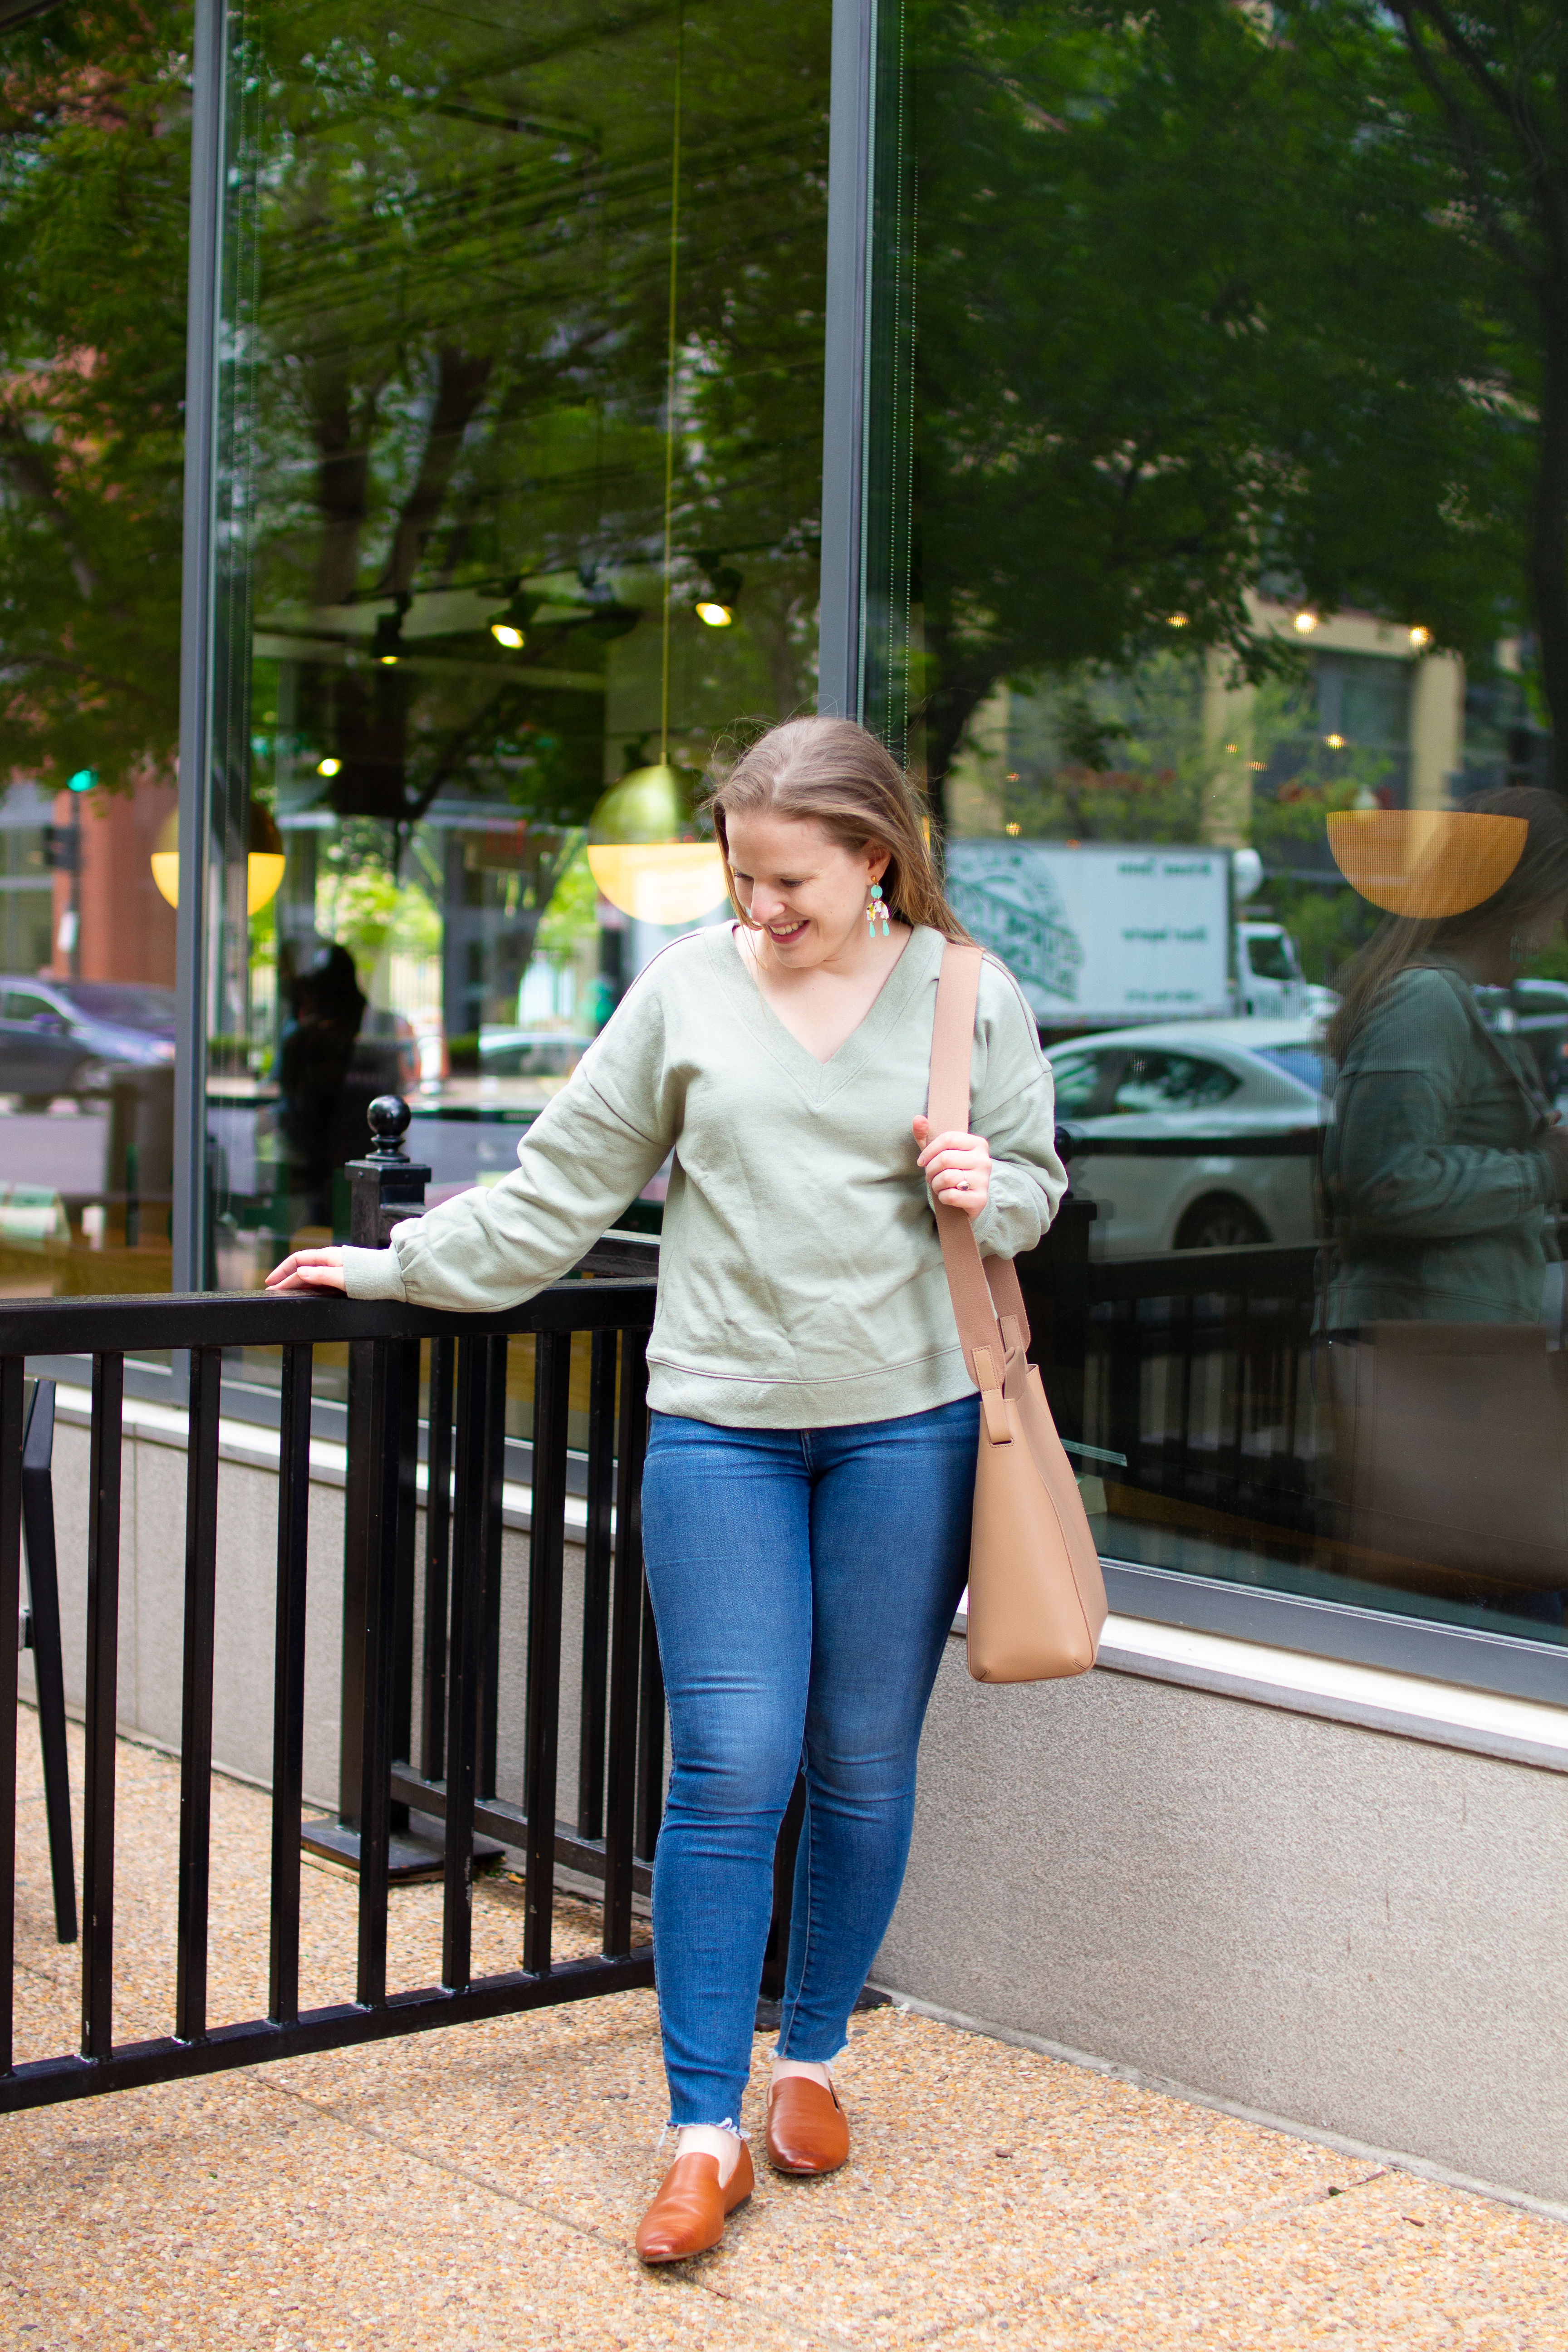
[[389, 1116]]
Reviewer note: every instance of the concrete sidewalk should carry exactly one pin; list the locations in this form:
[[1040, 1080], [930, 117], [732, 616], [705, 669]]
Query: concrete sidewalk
[[477, 2187]]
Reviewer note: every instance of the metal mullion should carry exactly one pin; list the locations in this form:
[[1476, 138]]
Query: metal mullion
[[13, 1370], [289, 1681], [546, 1557], [197, 609], [846, 307], [379, 1652], [437, 1556], [596, 1586], [626, 1637], [473, 1369], [197, 1695], [102, 1663]]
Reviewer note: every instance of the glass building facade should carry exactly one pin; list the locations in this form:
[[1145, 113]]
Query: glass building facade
[[414, 427]]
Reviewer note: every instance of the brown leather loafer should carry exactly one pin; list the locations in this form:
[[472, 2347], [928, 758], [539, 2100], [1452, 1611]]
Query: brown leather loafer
[[689, 2213], [808, 2131]]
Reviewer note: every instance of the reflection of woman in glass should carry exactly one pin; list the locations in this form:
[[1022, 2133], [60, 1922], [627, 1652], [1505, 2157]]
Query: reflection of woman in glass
[[1442, 1163], [811, 1467], [314, 1055]]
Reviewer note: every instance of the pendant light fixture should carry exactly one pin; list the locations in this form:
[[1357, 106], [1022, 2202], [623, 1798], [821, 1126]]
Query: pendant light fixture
[[387, 644], [508, 628], [264, 864], [644, 850], [1426, 863], [715, 608]]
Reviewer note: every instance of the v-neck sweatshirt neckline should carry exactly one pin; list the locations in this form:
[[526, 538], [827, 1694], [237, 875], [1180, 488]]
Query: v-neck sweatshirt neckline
[[820, 1081], [800, 1282]]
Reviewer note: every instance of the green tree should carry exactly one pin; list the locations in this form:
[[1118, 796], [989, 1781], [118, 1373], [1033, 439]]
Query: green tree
[[1489, 115], [94, 199], [1191, 318]]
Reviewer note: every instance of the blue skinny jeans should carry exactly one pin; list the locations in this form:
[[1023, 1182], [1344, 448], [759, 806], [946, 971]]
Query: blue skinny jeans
[[803, 1581]]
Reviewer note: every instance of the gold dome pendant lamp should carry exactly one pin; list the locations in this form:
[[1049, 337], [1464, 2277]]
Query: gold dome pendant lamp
[[1426, 863], [264, 864], [644, 850]]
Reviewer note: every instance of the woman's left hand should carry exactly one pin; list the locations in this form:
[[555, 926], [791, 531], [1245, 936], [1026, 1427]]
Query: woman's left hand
[[957, 1167]]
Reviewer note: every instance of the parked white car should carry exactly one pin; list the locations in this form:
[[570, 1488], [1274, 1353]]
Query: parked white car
[[1194, 1134]]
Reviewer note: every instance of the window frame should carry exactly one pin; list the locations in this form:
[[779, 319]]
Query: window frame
[[1329, 1629]]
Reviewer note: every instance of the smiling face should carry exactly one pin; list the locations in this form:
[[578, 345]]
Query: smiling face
[[807, 890]]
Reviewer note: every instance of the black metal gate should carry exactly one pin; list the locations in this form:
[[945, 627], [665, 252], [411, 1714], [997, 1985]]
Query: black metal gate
[[453, 1776]]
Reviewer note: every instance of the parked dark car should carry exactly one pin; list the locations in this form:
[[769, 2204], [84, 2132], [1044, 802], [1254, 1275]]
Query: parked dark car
[[77, 1036]]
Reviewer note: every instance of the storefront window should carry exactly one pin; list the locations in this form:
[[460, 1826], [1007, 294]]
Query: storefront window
[[521, 434], [94, 203], [1214, 584]]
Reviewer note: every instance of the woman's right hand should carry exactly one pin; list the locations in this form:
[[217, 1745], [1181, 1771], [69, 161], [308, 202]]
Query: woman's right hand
[[311, 1269]]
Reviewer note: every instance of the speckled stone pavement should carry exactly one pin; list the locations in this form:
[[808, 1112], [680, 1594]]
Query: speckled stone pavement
[[475, 2189]]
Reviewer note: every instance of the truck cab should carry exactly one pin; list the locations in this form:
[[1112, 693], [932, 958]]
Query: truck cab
[[1269, 982]]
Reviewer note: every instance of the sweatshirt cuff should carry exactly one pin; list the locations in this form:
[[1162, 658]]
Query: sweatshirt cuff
[[373, 1274], [989, 1240]]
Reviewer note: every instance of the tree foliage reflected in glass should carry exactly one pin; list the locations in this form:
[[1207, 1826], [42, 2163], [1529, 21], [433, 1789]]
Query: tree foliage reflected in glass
[[95, 148], [451, 395], [1233, 345]]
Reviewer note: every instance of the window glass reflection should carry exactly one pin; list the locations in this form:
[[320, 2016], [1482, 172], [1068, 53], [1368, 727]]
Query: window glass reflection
[[94, 195], [524, 431], [1193, 379]]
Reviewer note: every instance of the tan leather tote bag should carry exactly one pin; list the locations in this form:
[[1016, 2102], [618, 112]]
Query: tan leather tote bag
[[1037, 1598]]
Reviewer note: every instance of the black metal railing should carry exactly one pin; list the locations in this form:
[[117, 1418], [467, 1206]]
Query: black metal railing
[[451, 1772], [1197, 1379], [1184, 1372]]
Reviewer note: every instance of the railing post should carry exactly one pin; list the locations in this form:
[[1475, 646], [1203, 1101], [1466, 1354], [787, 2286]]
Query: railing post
[[384, 1187]]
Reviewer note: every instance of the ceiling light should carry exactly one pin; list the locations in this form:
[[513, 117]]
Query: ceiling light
[[716, 605], [387, 643], [1306, 623], [508, 628], [329, 767]]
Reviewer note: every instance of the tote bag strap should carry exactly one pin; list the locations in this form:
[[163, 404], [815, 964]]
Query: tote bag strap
[[988, 1302]]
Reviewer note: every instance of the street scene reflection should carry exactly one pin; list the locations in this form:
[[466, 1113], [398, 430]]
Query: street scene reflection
[[1219, 589]]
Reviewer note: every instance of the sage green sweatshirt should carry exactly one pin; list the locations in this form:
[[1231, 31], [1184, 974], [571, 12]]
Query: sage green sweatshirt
[[800, 1282]]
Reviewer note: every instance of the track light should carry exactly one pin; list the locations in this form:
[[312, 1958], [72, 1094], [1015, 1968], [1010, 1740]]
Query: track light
[[387, 644]]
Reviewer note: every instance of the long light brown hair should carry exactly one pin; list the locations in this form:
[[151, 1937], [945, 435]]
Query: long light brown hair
[[1538, 880], [834, 774]]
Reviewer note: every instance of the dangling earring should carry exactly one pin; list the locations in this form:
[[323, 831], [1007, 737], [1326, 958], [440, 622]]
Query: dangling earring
[[1518, 949], [875, 909]]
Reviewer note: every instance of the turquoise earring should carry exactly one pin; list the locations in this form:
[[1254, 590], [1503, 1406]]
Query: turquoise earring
[[875, 909]]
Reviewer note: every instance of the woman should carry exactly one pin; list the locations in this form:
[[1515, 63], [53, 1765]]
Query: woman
[[1442, 1166], [811, 1458]]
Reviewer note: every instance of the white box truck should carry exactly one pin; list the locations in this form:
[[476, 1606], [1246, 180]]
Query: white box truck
[[1099, 934]]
